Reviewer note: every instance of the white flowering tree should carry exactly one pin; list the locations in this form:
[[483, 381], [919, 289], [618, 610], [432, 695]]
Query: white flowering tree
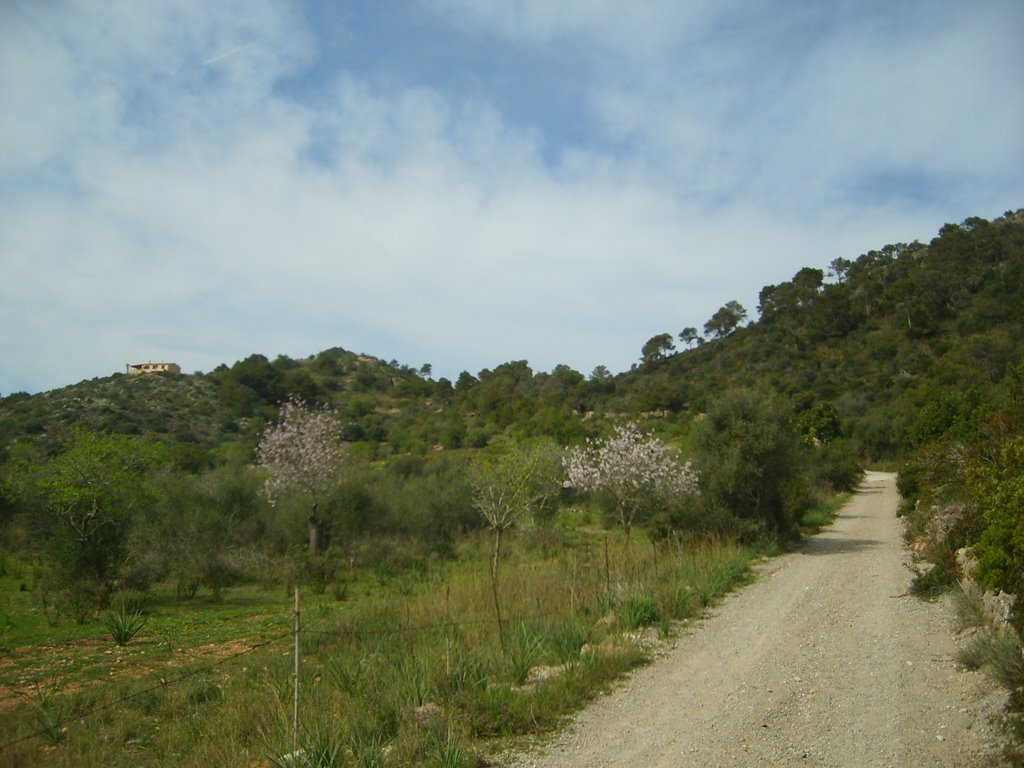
[[302, 453], [631, 470]]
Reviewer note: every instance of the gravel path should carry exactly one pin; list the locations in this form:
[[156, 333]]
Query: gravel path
[[824, 661]]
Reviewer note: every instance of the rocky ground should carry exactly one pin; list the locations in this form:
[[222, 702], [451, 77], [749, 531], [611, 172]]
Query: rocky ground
[[824, 661]]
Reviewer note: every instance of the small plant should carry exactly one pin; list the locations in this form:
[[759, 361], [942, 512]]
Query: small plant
[[49, 715], [524, 649], [467, 672], [124, 624], [566, 638], [682, 602], [321, 748], [1000, 653], [640, 610], [449, 752], [969, 607], [972, 655], [129, 601], [367, 740], [1006, 660], [203, 690]]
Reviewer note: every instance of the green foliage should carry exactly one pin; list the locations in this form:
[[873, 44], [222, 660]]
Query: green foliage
[[835, 465], [92, 492], [749, 457], [996, 484], [639, 609], [124, 624]]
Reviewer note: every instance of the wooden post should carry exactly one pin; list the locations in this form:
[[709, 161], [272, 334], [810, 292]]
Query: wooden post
[[295, 717], [607, 569]]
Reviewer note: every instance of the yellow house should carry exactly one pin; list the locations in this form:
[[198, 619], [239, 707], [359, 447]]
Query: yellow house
[[133, 369]]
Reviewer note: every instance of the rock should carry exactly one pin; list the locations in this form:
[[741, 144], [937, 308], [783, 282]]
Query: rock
[[428, 716], [999, 608]]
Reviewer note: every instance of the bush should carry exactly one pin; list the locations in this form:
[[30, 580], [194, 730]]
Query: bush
[[835, 465], [749, 458], [996, 484]]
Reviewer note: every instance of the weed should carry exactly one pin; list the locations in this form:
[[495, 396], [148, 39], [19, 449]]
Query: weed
[[448, 750], [640, 609], [321, 748], [681, 603], [969, 607], [524, 649], [467, 672], [202, 690], [124, 625], [972, 655], [1005, 659], [50, 713], [1000, 653], [566, 638], [347, 672], [129, 602], [367, 739]]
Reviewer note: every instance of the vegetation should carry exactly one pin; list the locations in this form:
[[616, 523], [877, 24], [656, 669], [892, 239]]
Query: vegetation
[[166, 516]]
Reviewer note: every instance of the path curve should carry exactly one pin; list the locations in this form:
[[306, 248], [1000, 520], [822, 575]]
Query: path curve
[[824, 661]]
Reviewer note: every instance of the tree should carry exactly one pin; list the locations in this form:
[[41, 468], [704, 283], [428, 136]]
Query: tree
[[658, 348], [749, 457], [631, 471], [601, 380], [726, 320], [517, 483], [302, 453], [689, 337], [93, 489]]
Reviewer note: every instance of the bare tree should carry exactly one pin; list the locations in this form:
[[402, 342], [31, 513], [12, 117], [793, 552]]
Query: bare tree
[[515, 484]]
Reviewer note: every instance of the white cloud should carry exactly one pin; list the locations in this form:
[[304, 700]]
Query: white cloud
[[166, 190]]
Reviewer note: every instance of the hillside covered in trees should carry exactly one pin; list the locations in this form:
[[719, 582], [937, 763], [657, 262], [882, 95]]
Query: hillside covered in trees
[[864, 344], [874, 359]]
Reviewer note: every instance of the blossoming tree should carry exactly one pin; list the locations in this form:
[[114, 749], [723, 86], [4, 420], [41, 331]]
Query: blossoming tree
[[302, 453], [631, 470]]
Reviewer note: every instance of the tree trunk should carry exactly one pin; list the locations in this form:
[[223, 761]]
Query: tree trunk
[[494, 589], [316, 534]]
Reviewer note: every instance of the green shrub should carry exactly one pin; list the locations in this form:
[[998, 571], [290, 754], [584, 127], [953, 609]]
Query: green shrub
[[749, 458], [836, 465], [996, 484]]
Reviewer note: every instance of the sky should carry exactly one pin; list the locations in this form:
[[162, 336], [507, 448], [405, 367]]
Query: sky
[[469, 182]]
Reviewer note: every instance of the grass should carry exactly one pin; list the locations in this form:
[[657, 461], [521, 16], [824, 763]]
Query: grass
[[823, 513], [409, 671]]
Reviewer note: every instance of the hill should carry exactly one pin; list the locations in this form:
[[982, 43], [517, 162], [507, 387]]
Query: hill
[[870, 343]]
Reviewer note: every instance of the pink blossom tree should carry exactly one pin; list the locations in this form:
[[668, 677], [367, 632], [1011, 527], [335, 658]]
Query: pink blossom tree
[[631, 470], [302, 453]]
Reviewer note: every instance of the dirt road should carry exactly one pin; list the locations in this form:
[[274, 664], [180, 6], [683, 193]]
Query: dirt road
[[824, 661]]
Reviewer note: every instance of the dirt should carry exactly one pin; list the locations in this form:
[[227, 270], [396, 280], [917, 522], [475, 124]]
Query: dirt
[[824, 661]]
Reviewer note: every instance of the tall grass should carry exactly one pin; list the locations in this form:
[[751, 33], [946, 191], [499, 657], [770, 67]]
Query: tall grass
[[399, 676]]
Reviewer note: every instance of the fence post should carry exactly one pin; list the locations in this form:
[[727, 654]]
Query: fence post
[[295, 718]]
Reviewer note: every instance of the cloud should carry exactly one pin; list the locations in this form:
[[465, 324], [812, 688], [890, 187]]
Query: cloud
[[205, 182]]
